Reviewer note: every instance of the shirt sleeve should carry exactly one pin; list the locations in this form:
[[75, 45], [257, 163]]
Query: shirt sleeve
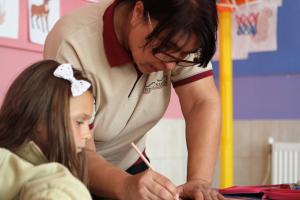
[[184, 75], [53, 181], [25, 181]]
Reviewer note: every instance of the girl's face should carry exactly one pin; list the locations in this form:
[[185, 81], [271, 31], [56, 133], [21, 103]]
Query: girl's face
[[81, 110]]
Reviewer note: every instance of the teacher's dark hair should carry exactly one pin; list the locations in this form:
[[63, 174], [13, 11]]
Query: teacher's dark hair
[[183, 17]]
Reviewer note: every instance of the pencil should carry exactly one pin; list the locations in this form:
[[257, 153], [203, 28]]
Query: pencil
[[141, 155]]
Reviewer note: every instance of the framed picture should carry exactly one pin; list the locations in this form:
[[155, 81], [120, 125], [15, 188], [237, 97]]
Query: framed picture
[[9, 19], [21, 23], [42, 15]]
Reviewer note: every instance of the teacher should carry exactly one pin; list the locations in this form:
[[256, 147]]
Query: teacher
[[134, 51]]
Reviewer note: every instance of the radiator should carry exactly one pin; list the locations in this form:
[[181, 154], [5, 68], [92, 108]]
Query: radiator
[[285, 162]]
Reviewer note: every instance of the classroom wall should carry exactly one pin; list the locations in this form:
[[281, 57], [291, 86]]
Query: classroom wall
[[252, 164], [265, 102], [13, 60]]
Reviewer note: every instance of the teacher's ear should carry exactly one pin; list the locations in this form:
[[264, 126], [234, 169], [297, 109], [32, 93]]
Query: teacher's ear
[[137, 16]]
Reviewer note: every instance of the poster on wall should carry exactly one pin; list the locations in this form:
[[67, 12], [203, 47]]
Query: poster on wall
[[256, 24], [43, 14], [9, 18], [254, 28]]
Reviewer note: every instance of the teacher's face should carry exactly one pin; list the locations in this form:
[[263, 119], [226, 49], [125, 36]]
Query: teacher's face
[[143, 55]]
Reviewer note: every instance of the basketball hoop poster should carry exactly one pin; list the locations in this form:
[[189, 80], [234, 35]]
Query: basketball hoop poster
[[255, 25], [254, 28], [43, 14], [9, 18]]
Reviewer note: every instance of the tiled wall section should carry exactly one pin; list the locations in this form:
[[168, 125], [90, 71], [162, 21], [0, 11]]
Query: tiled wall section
[[167, 150]]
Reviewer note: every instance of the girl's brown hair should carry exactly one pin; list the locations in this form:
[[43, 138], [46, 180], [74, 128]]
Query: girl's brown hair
[[39, 100]]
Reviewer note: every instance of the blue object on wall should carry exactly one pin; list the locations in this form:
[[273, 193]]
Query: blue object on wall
[[283, 61]]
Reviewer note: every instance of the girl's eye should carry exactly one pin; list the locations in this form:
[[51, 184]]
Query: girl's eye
[[79, 122]]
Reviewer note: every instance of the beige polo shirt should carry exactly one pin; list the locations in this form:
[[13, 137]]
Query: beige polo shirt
[[128, 104]]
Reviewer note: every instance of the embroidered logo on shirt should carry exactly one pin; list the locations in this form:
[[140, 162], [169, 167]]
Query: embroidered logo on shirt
[[158, 84]]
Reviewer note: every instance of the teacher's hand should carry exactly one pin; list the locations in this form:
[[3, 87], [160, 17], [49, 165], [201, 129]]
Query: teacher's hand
[[148, 185], [198, 190]]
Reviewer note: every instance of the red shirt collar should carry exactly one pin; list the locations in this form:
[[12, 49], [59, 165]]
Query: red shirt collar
[[116, 54]]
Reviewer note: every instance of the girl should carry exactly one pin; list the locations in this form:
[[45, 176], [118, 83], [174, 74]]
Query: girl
[[45, 118]]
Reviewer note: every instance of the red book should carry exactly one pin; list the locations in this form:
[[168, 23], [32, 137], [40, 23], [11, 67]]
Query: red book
[[263, 192]]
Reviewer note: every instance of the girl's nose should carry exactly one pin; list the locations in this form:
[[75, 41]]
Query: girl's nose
[[87, 134]]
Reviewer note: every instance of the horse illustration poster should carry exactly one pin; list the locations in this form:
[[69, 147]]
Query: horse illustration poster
[[42, 16], [9, 18]]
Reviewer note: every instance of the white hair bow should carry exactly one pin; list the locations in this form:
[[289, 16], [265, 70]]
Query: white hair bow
[[65, 71]]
